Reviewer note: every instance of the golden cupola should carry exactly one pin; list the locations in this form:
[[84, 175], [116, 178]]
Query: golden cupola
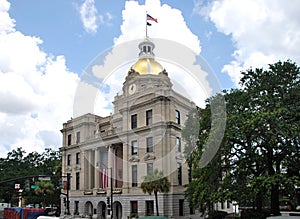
[[146, 63]]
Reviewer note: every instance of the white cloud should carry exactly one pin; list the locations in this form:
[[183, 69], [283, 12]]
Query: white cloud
[[176, 48], [105, 19], [36, 91], [134, 28], [263, 31], [171, 24], [90, 18], [7, 24], [88, 14]]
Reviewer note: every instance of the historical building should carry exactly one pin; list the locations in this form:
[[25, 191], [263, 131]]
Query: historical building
[[101, 155]]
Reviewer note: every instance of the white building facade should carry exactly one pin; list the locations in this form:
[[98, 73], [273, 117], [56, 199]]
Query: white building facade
[[112, 154]]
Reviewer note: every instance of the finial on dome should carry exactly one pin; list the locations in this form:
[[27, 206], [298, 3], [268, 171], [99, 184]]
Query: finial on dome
[[146, 49], [146, 63]]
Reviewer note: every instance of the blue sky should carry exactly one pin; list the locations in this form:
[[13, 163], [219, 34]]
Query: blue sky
[[45, 46], [59, 25]]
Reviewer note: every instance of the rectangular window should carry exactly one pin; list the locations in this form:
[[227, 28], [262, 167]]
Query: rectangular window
[[134, 176], [149, 144], [177, 117], [77, 181], [133, 207], [149, 167], [68, 181], [148, 117], [181, 207], [78, 158], [134, 121], [178, 144], [179, 172], [149, 208], [77, 137], [69, 139], [69, 159], [134, 147]]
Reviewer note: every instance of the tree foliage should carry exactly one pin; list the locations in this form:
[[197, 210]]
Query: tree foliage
[[19, 165], [258, 161]]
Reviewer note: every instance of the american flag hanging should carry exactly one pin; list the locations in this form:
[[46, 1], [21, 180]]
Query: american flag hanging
[[103, 178]]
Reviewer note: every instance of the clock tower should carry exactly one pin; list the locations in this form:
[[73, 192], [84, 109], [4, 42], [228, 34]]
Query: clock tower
[[146, 72]]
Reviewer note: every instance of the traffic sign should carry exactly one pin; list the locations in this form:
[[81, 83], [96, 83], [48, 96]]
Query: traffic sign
[[35, 187], [17, 186]]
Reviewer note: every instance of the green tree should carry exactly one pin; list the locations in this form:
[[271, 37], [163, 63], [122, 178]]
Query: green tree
[[18, 165], [203, 155], [273, 99], [45, 190], [259, 155], [155, 182]]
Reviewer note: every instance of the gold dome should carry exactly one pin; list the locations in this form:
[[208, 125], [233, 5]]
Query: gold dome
[[147, 66]]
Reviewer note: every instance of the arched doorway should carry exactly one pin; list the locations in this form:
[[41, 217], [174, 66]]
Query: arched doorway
[[88, 208], [117, 210], [101, 210]]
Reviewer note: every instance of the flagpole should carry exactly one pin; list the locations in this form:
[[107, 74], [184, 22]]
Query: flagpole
[[146, 26]]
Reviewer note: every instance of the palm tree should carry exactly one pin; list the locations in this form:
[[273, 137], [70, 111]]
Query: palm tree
[[154, 182]]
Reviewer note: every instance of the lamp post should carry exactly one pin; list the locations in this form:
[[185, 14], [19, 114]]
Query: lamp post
[[68, 188], [111, 191]]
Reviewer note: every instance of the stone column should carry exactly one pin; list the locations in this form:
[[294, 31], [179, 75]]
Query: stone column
[[125, 167], [85, 169], [110, 163], [97, 168]]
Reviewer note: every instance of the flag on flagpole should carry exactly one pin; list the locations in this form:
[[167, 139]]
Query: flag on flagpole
[[150, 18]]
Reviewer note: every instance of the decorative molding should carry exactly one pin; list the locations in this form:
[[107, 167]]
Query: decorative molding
[[77, 168], [101, 191], [117, 191], [69, 168], [134, 159], [88, 192], [149, 157]]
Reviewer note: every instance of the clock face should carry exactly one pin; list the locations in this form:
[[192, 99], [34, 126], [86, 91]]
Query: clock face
[[132, 89]]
